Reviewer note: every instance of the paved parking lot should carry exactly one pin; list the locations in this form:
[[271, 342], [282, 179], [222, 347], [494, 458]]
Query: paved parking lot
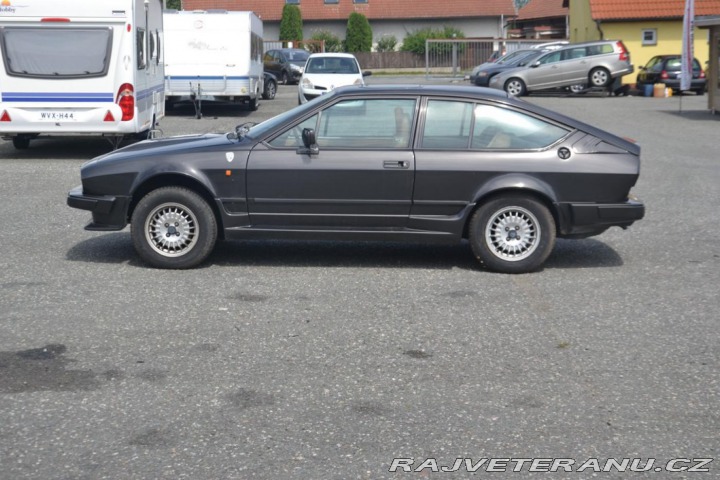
[[323, 360]]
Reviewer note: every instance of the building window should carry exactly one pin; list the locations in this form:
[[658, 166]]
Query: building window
[[292, 2], [332, 1], [360, 1], [649, 36]]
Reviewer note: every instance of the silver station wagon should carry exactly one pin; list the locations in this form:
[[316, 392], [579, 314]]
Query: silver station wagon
[[393, 163], [594, 64]]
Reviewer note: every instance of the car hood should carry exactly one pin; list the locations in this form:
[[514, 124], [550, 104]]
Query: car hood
[[333, 80], [162, 147]]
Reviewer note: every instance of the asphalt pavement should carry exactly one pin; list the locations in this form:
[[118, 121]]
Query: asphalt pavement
[[325, 360]]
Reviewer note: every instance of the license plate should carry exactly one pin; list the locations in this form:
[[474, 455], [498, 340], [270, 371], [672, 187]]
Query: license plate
[[58, 116]]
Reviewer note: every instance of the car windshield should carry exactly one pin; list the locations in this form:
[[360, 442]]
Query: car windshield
[[298, 57], [332, 65], [515, 56]]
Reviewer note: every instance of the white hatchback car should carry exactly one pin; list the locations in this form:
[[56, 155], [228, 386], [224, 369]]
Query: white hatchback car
[[326, 71]]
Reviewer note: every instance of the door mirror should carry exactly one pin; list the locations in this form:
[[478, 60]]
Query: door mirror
[[310, 143], [366, 73]]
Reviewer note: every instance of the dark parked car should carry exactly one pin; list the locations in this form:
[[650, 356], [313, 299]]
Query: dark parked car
[[396, 163], [286, 64], [269, 86], [666, 69], [482, 74]]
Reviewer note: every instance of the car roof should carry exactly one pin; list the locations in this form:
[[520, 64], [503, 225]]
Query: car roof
[[327, 54]]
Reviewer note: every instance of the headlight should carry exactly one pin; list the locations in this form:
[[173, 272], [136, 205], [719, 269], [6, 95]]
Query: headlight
[[482, 74], [359, 81], [295, 68], [306, 83]]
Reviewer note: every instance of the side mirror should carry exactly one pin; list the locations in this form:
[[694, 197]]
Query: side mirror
[[535, 65], [366, 73], [309, 142]]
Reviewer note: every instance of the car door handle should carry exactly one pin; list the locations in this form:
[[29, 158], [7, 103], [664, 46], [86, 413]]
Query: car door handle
[[395, 164]]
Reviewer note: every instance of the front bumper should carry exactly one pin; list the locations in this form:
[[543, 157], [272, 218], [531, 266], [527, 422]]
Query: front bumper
[[109, 213]]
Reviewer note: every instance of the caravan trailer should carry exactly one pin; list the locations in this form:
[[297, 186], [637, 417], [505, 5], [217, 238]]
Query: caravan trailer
[[80, 68], [213, 55]]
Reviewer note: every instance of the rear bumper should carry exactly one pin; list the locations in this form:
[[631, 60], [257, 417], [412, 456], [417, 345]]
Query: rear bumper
[[587, 219], [109, 213]]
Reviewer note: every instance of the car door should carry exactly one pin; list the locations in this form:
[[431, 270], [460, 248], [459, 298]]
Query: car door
[[361, 177], [575, 65], [546, 72]]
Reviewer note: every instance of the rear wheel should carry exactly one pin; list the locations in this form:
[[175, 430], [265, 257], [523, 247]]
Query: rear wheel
[[512, 234], [253, 104], [599, 77], [578, 88], [173, 227], [515, 87], [270, 90]]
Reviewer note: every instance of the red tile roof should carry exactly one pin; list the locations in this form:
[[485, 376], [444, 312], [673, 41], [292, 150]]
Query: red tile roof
[[537, 9], [271, 10], [648, 9]]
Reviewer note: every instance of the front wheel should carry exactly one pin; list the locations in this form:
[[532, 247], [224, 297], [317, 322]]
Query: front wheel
[[512, 234], [285, 78], [173, 227], [515, 87], [270, 90], [599, 77]]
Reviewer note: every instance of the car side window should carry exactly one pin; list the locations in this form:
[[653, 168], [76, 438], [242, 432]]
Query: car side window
[[360, 124], [447, 125], [574, 53], [551, 58], [498, 128], [356, 124], [292, 138]]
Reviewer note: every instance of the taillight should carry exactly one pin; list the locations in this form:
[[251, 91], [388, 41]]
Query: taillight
[[702, 74], [664, 75], [623, 53], [126, 101]]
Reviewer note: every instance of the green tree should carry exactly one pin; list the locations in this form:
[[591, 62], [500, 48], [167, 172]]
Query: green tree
[[173, 4], [359, 33], [291, 27]]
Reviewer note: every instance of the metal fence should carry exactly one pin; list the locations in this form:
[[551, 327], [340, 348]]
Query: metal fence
[[455, 57]]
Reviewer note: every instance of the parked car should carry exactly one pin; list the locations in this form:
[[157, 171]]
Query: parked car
[[596, 64], [326, 71], [396, 163], [482, 74], [269, 86], [286, 63], [666, 69]]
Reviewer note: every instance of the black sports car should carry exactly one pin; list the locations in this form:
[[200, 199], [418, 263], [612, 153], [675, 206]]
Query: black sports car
[[399, 163]]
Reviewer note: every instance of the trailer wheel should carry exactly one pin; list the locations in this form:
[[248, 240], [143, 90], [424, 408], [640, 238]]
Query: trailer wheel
[[253, 104], [21, 142]]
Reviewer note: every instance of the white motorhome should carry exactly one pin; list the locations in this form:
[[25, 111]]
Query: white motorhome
[[77, 67], [213, 55]]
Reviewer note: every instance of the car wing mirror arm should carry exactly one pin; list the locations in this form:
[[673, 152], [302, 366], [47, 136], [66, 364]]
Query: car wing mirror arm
[[310, 146]]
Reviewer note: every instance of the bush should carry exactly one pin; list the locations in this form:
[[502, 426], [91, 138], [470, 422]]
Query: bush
[[332, 41], [291, 27], [415, 41], [359, 34], [174, 5], [386, 44]]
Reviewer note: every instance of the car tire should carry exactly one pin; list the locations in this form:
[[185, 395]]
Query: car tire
[[21, 142], [512, 233], [700, 92], [270, 90], [515, 87], [599, 77], [173, 228], [254, 103], [284, 78], [577, 88]]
